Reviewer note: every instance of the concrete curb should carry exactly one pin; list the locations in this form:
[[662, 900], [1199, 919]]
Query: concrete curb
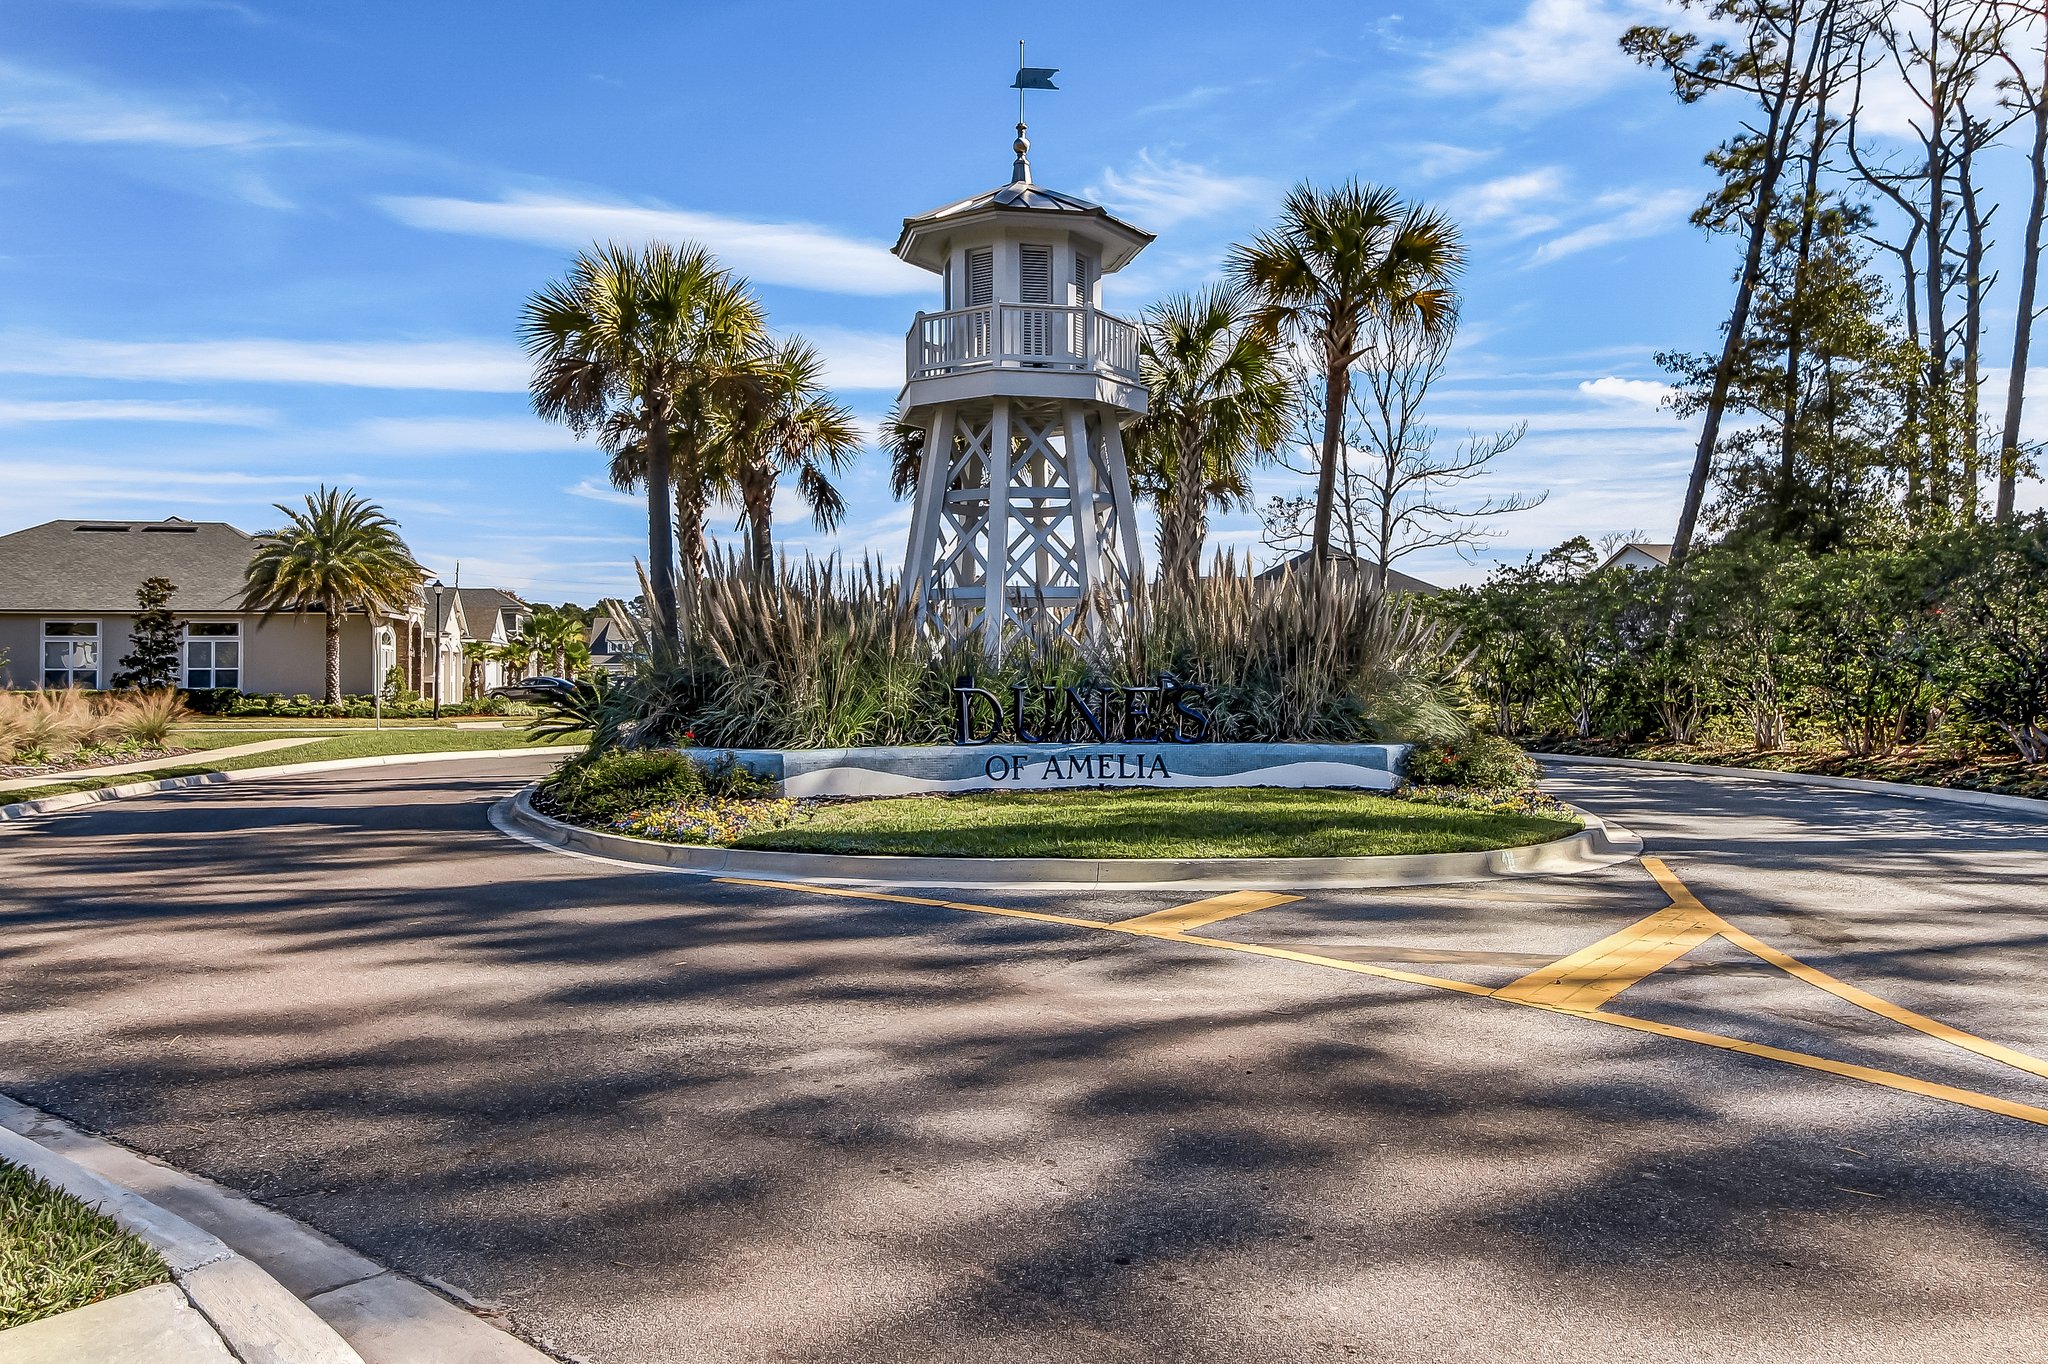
[[1599, 844], [259, 1320], [383, 1316], [1948, 795], [50, 805]]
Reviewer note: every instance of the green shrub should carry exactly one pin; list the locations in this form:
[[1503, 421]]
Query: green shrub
[[597, 789], [1484, 761]]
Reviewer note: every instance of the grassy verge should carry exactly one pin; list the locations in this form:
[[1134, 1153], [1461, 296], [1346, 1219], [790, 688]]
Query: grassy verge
[[56, 1253], [1209, 822], [326, 748], [1915, 765]]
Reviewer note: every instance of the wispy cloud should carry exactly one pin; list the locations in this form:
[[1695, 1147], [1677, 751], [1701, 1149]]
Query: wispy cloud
[[458, 435], [798, 254], [468, 366], [1161, 191], [133, 410], [1509, 202], [1631, 214], [1191, 98], [857, 359], [1555, 53], [1434, 159], [604, 492], [54, 107]]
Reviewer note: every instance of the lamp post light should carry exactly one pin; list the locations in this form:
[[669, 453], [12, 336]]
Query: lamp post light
[[437, 648]]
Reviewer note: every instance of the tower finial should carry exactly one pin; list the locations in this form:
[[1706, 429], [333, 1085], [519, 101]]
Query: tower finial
[[1020, 169]]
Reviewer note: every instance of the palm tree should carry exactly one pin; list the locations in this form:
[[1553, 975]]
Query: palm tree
[[637, 347], [1341, 260], [1220, 394], [475, 654], [340, 554], [787, 424], [552, 635]]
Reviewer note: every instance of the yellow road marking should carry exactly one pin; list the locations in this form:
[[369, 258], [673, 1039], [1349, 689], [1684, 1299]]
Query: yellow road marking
[[1217, 907], [841, 891], [1591, 972], [1591, 976], [1862, 999]]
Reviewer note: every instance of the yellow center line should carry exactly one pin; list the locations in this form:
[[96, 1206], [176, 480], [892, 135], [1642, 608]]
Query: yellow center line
[[1596, 973], [1180, 918]]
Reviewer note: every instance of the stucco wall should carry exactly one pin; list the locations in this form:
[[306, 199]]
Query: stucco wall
[[286, 654]]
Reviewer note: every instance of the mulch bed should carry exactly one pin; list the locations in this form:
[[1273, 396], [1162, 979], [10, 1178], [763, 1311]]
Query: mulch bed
[[1915, 765], [72, 766]]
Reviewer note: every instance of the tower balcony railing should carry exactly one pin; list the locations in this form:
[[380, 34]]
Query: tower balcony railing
[[1022, 336]]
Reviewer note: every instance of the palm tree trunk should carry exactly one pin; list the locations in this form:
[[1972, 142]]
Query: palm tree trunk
[[692, 502], [334, 654], [661, 546], [1336, 394], [1181, 523], [2023, 325], [758, 489]]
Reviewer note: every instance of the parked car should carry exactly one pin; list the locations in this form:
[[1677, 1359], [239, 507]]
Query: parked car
[[536, 689]]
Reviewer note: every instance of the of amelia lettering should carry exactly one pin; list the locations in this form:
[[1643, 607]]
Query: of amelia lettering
[[1169, 712]]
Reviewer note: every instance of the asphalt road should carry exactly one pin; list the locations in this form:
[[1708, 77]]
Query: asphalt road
[[662, 1118]]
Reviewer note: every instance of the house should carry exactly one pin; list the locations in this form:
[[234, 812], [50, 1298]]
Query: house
[[67, 609], [610, 647], [1637, 555], [494, 617], [1397, 581]]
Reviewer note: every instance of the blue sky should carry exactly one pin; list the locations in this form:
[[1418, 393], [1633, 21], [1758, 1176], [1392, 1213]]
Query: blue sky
[[249, 247]]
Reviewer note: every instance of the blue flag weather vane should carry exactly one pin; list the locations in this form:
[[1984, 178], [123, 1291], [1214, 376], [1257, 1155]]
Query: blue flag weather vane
[[1028, 78]]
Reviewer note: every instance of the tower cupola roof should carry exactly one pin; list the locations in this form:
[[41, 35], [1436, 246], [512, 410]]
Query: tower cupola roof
[[924, 238]]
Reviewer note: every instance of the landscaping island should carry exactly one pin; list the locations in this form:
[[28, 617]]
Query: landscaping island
[[667, 797]]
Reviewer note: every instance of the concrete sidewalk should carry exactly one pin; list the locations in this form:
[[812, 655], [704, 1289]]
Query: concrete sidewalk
[[203, 755], [155, 1325]]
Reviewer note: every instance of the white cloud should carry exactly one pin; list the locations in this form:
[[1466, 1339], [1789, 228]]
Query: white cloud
[[1509, 201], [133, 410], [1634, 213], [857, 359], [58, 108], [797, 254], [1161, 193], [469, 366], [1635, 392], [1557, 52]]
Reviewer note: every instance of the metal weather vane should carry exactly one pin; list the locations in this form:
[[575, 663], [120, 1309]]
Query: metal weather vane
[[1028, 78]]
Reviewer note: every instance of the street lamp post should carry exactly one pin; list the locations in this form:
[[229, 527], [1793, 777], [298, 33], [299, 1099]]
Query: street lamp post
[[438, 627]]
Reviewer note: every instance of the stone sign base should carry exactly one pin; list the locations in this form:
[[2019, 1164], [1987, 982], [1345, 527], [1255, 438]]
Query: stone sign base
[[1058, 767]]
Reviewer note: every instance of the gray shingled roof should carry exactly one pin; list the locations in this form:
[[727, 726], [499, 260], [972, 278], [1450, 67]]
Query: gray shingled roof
[[480, 608], [1397, 581], [97, 565]]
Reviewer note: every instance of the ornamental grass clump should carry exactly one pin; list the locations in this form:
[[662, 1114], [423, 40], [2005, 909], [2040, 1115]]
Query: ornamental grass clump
[[809, 656], [147, 718]]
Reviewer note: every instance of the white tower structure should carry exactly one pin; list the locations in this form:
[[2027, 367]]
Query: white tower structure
[[1022, 521]]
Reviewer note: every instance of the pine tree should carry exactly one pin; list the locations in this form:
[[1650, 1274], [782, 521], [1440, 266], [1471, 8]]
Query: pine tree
[[154, 662]]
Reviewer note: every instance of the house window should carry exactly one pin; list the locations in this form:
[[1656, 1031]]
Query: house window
[[213, 655], [71, 653]]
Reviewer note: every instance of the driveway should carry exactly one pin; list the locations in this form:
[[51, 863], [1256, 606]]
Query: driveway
[[664, 1118]]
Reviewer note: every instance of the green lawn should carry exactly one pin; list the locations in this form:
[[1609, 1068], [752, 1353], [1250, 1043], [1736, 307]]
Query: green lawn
[[1205, 822], [56, 1253], [365, 744]]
